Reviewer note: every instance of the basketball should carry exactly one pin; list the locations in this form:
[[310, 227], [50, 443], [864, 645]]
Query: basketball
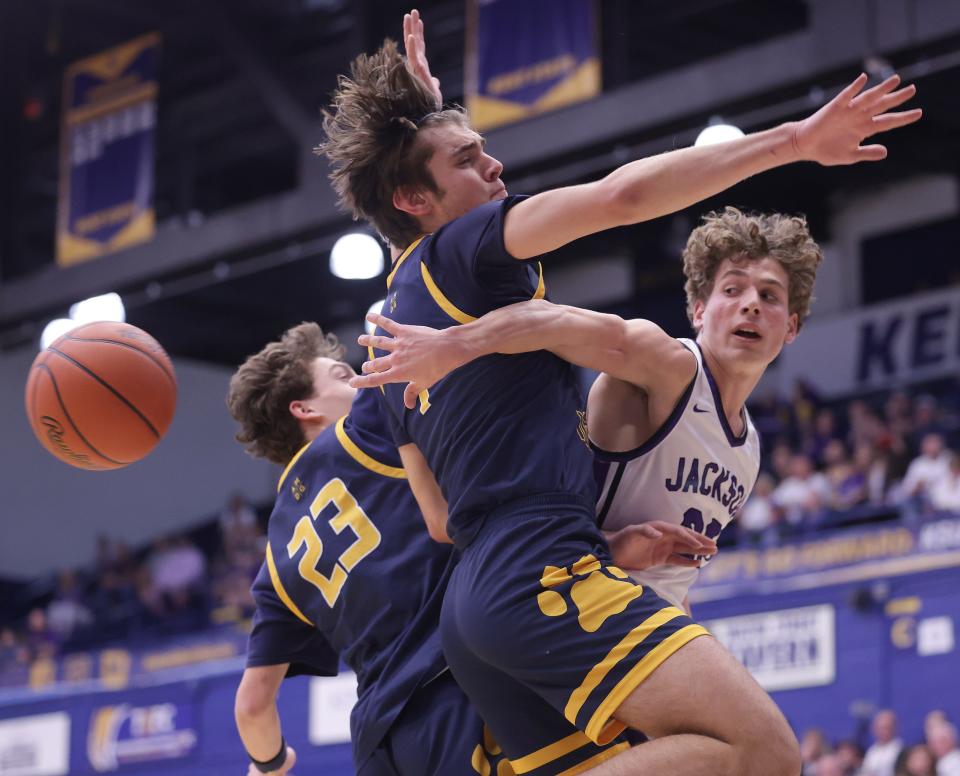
[[101, 396]]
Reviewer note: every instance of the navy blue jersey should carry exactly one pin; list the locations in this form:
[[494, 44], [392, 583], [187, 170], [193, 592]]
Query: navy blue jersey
[[352, 572], [501, 427]]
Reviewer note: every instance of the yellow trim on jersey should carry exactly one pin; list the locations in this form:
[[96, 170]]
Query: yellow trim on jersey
[[293, 460], [445, 304], [549, 753], [455, 312], [599, 757], [541, 286], [651, 661], [365, 460], [627, 644], [281, 591], [400, 259]]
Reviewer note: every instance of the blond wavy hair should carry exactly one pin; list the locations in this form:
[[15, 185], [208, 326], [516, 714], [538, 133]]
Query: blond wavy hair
[[262, 388], [373, 140], [732, 234]]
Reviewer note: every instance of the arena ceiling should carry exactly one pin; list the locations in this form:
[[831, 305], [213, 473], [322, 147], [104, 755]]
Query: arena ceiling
[[246, 219]]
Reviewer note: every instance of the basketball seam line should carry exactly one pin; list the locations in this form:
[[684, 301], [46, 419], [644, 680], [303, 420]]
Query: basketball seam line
[[56, 390], [109, 387], [156, 361]]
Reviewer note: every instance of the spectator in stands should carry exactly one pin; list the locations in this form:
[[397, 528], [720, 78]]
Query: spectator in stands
[[850, 754], [40, 640], [828, 765], [66, 613], [915, 761], [238, 522], [780, 458], [757, 521], [942, 740], [824, 432], [925, 470], [926, 421], [874, 465], [813, 747], [847, 483], [864, 425], [945, 491], [801, 496], [882, 756], [898, 414], [12, 650], [931, 720], [177, 574]]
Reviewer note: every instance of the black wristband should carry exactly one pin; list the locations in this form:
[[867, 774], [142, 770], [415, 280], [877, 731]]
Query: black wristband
[[271, 765]]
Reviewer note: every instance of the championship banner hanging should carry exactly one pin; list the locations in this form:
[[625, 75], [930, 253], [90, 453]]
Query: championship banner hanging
[[107, 150], [526, 57]]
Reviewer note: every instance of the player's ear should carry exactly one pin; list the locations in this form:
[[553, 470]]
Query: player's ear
[[302, 409], [698, 308], [793, 326], [410, 199]]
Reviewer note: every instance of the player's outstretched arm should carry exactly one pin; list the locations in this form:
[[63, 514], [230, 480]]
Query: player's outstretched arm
[[636, 351], [258, 720], [653, 187]]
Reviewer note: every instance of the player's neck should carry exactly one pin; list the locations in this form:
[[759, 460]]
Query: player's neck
[[734, 386]]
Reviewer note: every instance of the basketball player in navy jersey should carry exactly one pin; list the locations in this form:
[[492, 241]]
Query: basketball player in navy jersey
[[536, 605], [666, 415]]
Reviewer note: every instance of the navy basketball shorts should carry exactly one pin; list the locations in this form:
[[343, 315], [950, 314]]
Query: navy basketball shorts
[[439, 732], [537, 622]]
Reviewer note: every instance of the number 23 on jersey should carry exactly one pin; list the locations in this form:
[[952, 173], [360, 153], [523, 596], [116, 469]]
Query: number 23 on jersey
[[349, 515]]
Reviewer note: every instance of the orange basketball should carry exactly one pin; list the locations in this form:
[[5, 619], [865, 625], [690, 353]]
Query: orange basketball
[[101, 396]]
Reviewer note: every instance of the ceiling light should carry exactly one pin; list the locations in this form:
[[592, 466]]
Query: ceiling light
[[356, 256], [56, 328], [717, 131], [107, 307], [374, 308]]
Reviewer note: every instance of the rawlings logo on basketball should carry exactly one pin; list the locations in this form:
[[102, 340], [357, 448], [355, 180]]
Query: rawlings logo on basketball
[[55, 435]]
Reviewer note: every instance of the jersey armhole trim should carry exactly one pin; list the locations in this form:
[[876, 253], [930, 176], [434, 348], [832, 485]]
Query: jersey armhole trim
[[658, 436], [281, 591], [354, 451]]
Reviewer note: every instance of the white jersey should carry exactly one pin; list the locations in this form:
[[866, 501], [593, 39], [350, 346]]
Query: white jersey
[[693, 471]]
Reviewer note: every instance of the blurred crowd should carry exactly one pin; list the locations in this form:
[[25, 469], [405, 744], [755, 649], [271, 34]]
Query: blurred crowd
[[888, 755], [834, 464], [180, 584]]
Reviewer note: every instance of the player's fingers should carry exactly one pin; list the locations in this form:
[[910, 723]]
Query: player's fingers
[[371, 380], [852, 89], [374, 365], [893, 120], [893, 100], [410, 395], [377, 341], [882, 88], [870, 153], [385, 323], [683, 560]]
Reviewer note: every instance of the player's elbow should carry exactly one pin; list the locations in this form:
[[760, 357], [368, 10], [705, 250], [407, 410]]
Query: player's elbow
[[438, 531], [620, 199]]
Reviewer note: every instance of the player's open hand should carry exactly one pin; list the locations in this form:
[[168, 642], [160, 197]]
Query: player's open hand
[[657, 543], [283, 770], [833, 135], [417, 355], [416, 47]]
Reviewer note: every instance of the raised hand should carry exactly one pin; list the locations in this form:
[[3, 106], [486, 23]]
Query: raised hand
[[656, 543], [416, 47], [833, 135], [418, 355]]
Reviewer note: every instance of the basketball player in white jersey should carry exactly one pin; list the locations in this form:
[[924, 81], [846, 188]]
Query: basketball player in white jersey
[[667, 415]]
